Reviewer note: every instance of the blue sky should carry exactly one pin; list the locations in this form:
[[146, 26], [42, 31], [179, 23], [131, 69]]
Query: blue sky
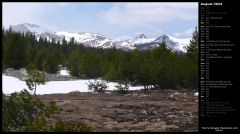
[[114, 20]]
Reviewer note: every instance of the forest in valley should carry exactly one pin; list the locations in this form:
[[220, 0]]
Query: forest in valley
[[157, 68]]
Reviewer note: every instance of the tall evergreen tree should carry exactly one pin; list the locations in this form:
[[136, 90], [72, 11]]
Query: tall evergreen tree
[[192, 53], [52, 62], [74, 63], [192, 49]]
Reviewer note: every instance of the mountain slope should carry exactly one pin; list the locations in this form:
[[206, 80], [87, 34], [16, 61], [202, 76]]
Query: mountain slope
[[26, 27], [99, 41]]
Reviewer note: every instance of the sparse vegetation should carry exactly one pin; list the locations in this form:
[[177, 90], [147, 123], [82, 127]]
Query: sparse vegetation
[[40, 125], [97, 86], [153, 111], [122, 87], [36, 77]]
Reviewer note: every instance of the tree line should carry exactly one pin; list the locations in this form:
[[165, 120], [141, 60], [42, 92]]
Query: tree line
[[158, 68]]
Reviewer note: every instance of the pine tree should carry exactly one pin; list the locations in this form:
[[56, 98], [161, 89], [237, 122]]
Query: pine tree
[[52, 62], [192, 49], [39, 59], [192, 53], [111, 74], [36, 77], [74, 64], [15, 51]]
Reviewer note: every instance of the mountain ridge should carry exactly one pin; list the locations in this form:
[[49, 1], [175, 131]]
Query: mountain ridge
[[96, 40]]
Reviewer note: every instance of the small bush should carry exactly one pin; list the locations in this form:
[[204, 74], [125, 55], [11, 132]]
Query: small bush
[[23, 113], [36, 77], [21, 108], [122, 88], [97, 86]]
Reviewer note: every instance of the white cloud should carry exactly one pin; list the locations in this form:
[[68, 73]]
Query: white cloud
[[63, 4], [15, 13], [132, 14], [31, 12]]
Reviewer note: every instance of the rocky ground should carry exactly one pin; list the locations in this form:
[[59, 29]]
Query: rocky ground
[[162, 111]]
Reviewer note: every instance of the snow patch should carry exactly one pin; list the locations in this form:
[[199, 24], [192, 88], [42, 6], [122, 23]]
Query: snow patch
[[142, 40], [196, 94], [177, 93], [182, 42], [64, 72], [11, 84]]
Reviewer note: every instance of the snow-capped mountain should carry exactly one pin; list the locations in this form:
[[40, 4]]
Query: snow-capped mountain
[[142, 38], [26, 27], [182, 43], [141, 42], [88, 39], [49, 36]]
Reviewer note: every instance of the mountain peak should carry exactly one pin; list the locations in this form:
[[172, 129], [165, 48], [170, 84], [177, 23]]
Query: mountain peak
[[30, 25], [163, 38], [27, 27], [142, 36]]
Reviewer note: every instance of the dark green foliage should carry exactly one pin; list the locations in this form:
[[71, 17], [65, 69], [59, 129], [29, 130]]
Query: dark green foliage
[[23, 113], [90, 65], [15, 51], [36, 126], [192, 54], [74, 64], [38, 60], [192, 49], [52, 61], [97, 86], [21, 108], [111, 73]]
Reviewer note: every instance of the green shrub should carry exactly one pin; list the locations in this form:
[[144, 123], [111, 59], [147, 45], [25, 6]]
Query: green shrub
[[36, 77], [22, 112], [21, 108], [97, 86], [36, 126], [122, 88]]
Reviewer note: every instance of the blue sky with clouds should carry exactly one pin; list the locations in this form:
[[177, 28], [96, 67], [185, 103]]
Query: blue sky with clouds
[[114, 20]]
